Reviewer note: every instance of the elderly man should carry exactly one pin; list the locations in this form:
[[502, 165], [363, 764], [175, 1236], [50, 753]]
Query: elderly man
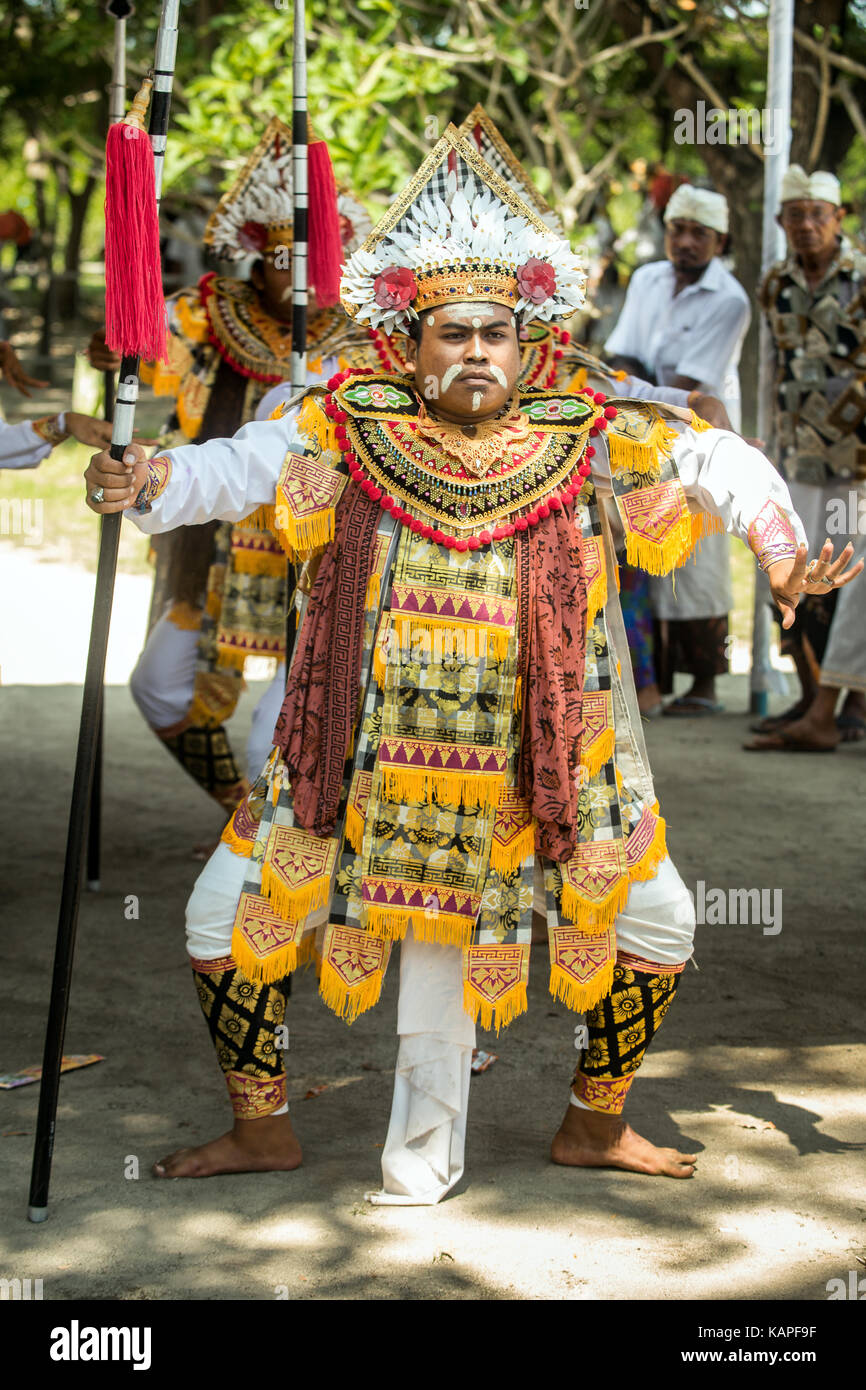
[[685, 318], [815, 302]]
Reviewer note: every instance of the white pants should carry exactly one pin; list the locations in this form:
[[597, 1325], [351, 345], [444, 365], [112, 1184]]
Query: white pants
[[844, 663], [423, 1154], [162, 687]]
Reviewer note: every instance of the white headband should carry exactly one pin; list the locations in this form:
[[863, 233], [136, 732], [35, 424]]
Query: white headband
[[698, 205], [796, 183]]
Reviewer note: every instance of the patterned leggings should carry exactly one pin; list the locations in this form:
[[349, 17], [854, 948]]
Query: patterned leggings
[[621, 1028]]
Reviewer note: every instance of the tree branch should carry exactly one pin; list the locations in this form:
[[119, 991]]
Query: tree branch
[[836, 60]]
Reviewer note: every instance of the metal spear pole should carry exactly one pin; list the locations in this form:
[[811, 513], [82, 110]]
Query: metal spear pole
[[124, 417]]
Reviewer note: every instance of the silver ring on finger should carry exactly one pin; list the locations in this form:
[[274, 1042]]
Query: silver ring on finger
[[825, 579], [97, 495]]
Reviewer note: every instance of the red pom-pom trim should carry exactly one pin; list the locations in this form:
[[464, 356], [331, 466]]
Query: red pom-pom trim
[[610, 412]]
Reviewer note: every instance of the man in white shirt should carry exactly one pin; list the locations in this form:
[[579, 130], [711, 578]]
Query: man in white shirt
[[686, 318]]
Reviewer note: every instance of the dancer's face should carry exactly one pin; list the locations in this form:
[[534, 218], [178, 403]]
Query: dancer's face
[[467, 360], [275, 287]]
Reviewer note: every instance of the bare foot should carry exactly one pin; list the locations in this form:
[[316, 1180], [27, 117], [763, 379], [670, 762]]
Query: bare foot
[[806, 735], [586, 1139], [268, 1145]]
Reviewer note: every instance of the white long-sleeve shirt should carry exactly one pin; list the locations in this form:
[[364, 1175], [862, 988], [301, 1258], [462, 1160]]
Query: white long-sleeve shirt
[[21, 446], [228, 479]]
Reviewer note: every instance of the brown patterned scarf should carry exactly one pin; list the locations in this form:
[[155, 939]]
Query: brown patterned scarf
[[315, 724], [552, 635]]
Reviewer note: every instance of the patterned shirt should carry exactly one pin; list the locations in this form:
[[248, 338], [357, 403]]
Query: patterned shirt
[[820, 341]]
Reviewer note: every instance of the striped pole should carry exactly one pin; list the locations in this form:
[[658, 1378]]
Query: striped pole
[[88, 732], [299, 257], [120, 11]]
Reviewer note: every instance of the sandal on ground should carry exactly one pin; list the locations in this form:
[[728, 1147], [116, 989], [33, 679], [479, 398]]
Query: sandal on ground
[[692, 707], [781, 742], [776, 721]]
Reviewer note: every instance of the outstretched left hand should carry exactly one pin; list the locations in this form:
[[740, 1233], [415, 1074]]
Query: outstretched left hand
[[791, 579]]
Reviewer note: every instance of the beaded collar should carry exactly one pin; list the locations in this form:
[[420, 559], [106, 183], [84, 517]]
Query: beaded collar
[[382, 430], [250, 339]]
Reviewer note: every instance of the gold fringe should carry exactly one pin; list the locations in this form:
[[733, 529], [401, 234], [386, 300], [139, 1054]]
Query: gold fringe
[[438, 928], [643, 456], [354, 828], [231, 656], [236, 843], [602, 749], [700, 425], [705, 524], [578, 381], [214, 603], [205, 715], [262, 519], [649, 861], [302, 535], [374, 590], [422, 785], [293, 904], [497, 1015], [161, 381], [577, 997], [497, 639], [345, 1001], [661, 559], [506, 858], [596, 596], [589, 915], [194, 327], [518, 694], [185, 616], [259, 562], [190, 424], [274, 967], [314, 423], [380, 664]]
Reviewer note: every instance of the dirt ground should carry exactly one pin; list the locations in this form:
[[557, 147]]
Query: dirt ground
[[756, 1067]]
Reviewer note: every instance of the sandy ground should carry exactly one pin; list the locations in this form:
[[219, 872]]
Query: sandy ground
[[756, 1066]]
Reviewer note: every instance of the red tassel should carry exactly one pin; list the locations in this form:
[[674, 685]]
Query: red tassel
[[134, 301], [325, 249]]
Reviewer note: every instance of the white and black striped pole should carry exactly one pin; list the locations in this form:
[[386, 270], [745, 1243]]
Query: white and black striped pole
[[88, 732], [300, 233]]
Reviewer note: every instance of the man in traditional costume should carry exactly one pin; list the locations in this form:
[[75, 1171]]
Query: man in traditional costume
[[230, 345], [459, 732], [815, 302]]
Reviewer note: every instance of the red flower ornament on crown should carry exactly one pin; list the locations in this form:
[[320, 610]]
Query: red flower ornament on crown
[[253, 237], [536, 280], [395, 288]]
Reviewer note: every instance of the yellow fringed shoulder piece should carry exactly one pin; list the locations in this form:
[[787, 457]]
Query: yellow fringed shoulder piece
[[191, 317], [314, 425], [699, 425], [513, 832], [658, 526], [305, 510], [639, 450]]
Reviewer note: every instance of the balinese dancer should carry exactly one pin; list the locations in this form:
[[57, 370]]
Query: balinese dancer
[[230, 345], [459, 732]]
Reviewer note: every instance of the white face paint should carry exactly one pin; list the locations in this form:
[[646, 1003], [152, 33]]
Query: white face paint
[[450, 373], [481, 310], [476, 346], [431, 319], [499, 375], [476, 401], [476, 323]]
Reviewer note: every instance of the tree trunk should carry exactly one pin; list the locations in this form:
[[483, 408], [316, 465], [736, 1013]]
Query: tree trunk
[[68, 300]]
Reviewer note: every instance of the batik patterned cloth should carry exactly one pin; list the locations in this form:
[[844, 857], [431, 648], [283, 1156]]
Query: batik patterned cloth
[[243, 1016], [431, 830], [620, 1029]]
